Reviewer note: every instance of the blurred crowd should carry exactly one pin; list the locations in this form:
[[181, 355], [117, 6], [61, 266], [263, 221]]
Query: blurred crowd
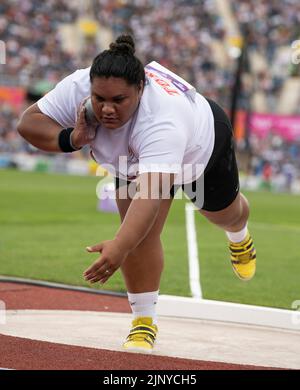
[[276, 162], [35, 56], [34, 49], [270, 27], [9, 139], [177, 33], [268, 24]]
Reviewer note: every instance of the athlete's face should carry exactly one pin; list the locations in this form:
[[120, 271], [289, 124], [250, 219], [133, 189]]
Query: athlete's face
[[114, 100]]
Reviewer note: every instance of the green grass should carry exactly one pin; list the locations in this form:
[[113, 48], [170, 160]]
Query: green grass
[[46, 221]]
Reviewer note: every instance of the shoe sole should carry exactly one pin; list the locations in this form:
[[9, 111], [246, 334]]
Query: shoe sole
[[243, 279]]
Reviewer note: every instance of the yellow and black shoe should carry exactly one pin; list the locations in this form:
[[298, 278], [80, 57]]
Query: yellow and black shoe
[[142, 336], [243, 258]]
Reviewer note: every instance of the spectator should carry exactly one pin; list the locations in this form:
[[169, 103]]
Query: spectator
[[270, 25]]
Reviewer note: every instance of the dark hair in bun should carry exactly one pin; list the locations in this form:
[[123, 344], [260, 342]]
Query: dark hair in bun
[[124, 44], [119, 61]]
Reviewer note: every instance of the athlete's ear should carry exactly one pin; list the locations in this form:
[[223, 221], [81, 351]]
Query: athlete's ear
[[141, 88]]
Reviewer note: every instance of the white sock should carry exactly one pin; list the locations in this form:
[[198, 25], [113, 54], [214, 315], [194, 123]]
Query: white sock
[[144, 304], [237, 236]]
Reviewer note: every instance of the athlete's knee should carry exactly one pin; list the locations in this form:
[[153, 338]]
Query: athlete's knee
[[234, 215], [149, 243]]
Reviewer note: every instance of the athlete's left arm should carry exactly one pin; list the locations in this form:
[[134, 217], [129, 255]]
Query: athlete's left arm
[[140, 217]]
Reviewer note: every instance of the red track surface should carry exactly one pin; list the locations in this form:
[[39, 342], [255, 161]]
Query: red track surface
[[27, 354]]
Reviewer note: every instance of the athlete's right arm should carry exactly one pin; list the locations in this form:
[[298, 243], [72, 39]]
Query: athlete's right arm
[[42, 131], [39, 129]]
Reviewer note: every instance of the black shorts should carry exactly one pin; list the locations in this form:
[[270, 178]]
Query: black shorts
[[220, 180]]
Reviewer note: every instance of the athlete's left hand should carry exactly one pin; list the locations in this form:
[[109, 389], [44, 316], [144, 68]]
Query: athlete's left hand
[[112, 257]]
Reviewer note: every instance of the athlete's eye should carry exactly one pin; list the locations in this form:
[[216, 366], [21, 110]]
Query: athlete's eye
[[119, 100]]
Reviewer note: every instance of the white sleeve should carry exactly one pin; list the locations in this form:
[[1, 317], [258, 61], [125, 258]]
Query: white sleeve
[[61, 104], [162, 148]]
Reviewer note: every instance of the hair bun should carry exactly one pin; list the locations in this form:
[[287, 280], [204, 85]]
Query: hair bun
[[124, 44]]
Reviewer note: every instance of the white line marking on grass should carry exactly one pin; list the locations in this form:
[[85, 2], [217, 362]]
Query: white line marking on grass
[[194, 268]]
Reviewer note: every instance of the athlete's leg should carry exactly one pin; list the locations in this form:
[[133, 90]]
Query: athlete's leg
[[143, 266], [233, 218], [223, 204], [142, 272]]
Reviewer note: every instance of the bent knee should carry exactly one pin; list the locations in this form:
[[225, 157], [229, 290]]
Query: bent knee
[[232, 215]]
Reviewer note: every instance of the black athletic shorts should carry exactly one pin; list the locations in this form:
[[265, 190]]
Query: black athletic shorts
[[220, 181]]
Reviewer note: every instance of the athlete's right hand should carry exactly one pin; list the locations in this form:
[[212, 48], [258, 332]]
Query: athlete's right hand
[[82, 133]]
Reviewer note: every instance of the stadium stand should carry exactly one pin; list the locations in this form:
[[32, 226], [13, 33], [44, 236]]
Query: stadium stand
[[33, 46], [179, 34], [270, 28]]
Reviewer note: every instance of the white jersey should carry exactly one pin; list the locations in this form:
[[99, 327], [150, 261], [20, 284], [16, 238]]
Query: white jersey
[[171, 131]]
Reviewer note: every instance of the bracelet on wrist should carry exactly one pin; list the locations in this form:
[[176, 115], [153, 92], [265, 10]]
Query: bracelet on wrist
[[65, 141]]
